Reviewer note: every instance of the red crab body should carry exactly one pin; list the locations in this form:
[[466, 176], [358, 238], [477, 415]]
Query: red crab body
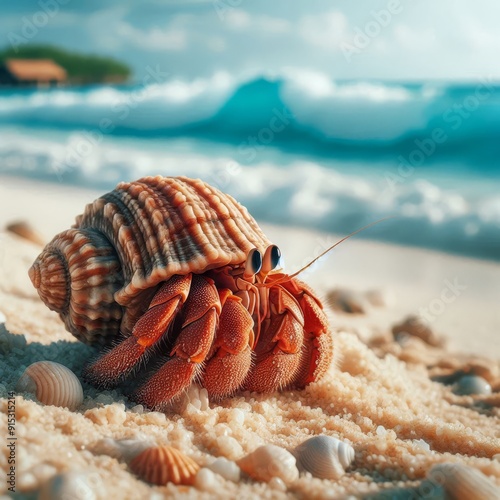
[[172, 263]]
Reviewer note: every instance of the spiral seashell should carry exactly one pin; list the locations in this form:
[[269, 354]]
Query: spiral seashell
[[99, 274], [52, 384], [163, 464], [462, 482], [324, 457], [270, 461]]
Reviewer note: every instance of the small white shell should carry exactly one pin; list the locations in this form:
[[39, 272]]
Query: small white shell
[[270, 461], [462, 482], [206, 480], [324, 457], [122, 449], [74, 485], [52, 384], [226, 468], [3, 319], [472, 384]]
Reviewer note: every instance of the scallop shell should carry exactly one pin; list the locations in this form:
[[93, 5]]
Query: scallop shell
[[462, 482], [270, 461], [52, 384], [324, 457], [163, 464], [99, 274]]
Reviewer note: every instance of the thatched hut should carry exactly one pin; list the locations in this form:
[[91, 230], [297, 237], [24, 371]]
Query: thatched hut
[[32, 72]]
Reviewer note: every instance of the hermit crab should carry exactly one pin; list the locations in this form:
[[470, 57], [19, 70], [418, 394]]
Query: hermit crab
[[173, 268]]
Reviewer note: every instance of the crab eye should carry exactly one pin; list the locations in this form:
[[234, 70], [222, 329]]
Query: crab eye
[[254, 263], [271, 258], [275, 256]]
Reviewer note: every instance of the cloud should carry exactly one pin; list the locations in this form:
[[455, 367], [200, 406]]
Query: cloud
[[238, 19], [326, 30], [451, 39], [409, 38], [155, 38]]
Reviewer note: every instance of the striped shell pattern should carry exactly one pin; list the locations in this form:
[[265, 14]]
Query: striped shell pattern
[[100, 274]]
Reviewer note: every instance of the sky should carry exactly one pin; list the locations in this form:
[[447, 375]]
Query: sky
[[401, 40]]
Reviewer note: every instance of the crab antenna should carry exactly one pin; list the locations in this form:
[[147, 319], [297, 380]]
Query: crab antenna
[[282, 280]]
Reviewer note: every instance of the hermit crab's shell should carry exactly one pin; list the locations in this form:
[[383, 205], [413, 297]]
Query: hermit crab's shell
[[100, 275]]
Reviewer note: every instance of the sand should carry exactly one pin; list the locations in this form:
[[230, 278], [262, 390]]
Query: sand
[[382, 395]]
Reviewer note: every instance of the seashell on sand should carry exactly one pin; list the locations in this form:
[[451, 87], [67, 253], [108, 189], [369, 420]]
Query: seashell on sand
[[425, 490], [52, 384], [24, 230], [270, 461], [68, 485], [472, 384], [122, 449], [415, 327], [324, 457], [206, 480], [347, 301], [226, 468], [163, 464], [462, 482]]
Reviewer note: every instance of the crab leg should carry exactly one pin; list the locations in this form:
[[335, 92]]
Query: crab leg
[[117, 363], [228, 367], [318, 347], [279, 348], [191, 348]]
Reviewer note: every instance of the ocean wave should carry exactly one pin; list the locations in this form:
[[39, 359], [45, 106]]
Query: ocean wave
[[302, 193], [295, 108]]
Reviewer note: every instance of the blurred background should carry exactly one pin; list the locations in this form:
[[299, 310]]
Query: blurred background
[[322, 114]]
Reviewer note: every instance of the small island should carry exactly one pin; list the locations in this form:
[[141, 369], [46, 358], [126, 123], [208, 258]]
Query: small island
[[46, 65]]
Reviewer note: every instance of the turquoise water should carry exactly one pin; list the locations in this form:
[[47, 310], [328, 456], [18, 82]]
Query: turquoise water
[[323, 154]]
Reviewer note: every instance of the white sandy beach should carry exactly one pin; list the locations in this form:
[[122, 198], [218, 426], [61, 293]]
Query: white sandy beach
[[383, 406]]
